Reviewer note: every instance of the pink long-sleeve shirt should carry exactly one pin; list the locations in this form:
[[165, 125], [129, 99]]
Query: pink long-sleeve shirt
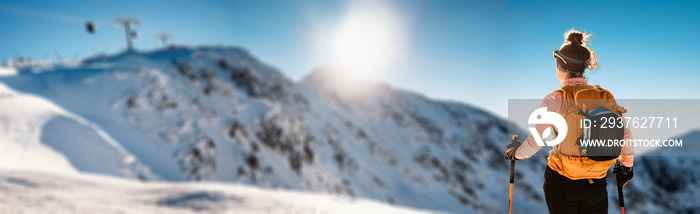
[[553, 102]]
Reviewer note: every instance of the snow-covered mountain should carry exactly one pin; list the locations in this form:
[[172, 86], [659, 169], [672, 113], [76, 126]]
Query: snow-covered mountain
[[219, 114]]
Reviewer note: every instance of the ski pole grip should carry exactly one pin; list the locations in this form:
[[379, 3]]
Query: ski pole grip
[[618, 166], [512, 170], [512, 161]]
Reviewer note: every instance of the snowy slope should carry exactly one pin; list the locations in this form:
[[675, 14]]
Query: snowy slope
[[219, 114], [24, 191], [37, 134], [21, 119]]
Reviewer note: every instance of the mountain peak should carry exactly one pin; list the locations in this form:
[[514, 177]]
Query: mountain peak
[[332, 80]]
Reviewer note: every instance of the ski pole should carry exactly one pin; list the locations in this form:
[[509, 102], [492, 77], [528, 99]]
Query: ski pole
[[512, 178], [619, 192]]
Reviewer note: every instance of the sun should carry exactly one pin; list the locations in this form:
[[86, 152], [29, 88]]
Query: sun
[[367, 42]]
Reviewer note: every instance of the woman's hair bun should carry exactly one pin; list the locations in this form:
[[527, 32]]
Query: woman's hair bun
[[575, 46], [575, 37]]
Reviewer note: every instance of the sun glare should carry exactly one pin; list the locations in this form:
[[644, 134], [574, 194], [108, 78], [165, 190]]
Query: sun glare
[[368, 40]]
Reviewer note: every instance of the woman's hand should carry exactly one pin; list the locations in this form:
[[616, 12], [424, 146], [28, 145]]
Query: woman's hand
[[512, 147], [623, 174]]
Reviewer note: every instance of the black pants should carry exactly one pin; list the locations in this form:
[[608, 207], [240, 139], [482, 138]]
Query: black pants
[[564, 195]]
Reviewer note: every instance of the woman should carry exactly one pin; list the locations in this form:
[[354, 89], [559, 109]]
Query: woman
[[574, 183]]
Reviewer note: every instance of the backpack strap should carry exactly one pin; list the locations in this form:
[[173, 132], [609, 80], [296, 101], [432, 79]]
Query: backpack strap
[[619, 109]]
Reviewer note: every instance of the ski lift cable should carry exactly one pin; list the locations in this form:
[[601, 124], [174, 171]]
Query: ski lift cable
[[23, 11], [90, 24]]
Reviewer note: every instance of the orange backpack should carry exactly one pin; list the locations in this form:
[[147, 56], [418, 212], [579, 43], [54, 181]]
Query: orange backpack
[[584, 106]]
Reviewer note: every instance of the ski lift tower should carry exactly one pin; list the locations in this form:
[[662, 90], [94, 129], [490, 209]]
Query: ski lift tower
[[127, 22], [164, 37]]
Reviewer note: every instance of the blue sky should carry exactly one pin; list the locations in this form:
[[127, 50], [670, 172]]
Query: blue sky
[[478, 52]]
